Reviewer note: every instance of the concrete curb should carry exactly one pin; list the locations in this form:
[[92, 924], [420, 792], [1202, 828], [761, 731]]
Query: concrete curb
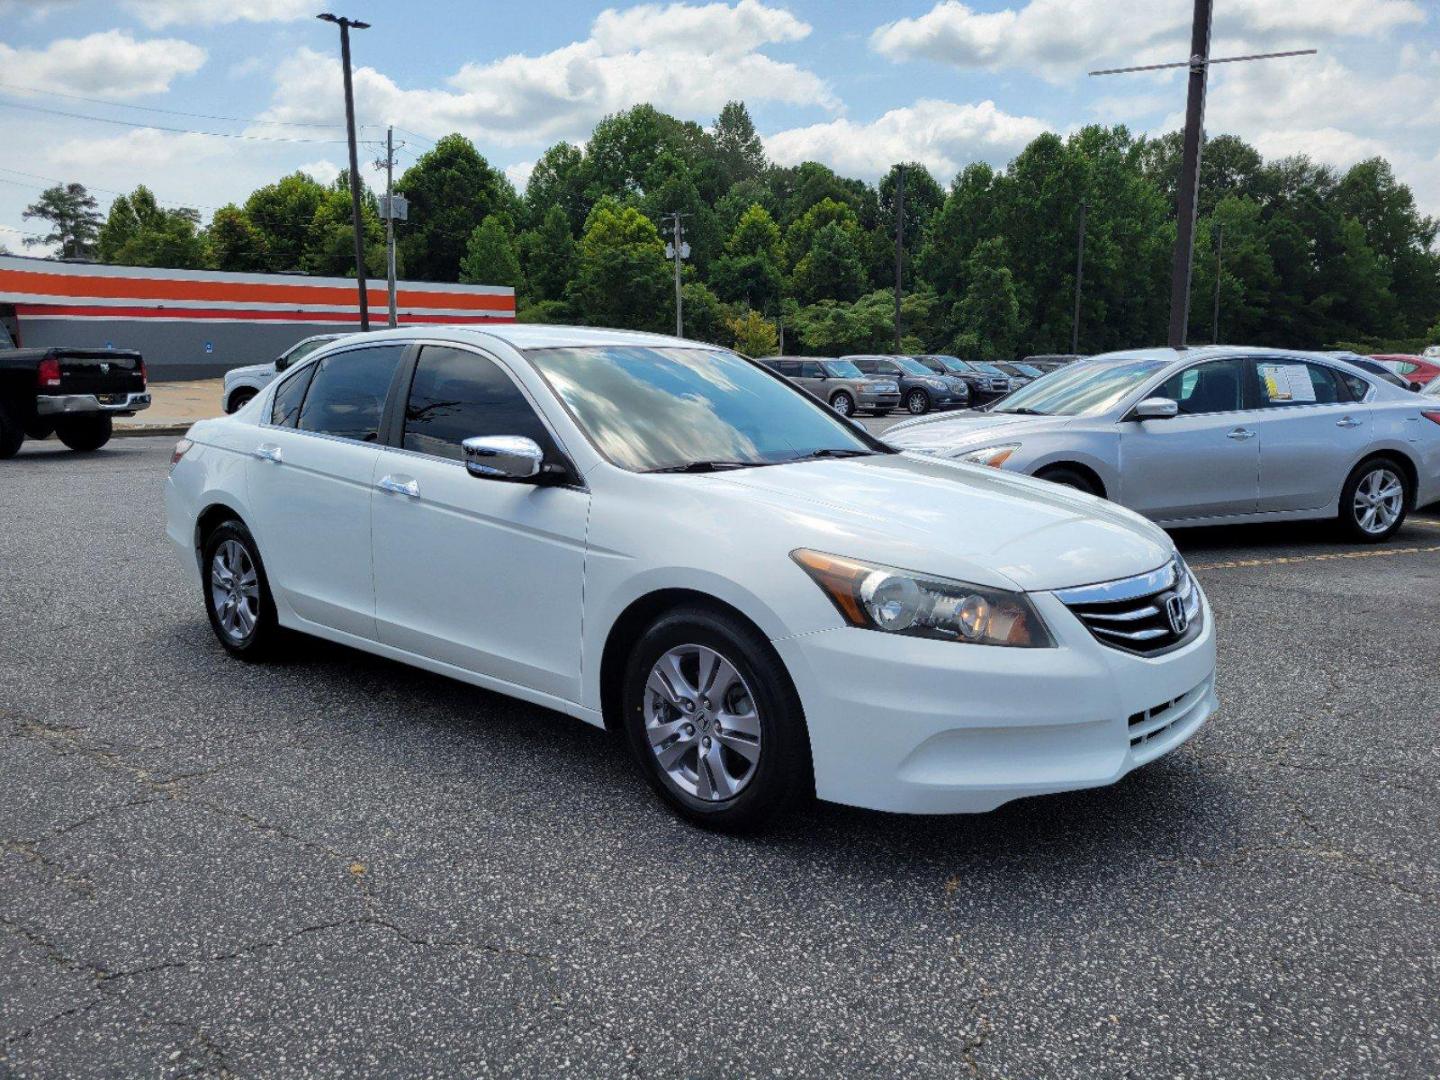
[[148, 429]]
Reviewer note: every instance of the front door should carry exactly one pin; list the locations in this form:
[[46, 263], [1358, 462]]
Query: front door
[[309, 486], [482, 574], [1205, 462]]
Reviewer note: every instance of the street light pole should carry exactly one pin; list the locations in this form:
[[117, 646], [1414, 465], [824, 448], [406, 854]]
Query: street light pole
[[1079, 280], [899, 245], [390, 220], [345, 27], [1219, 248]]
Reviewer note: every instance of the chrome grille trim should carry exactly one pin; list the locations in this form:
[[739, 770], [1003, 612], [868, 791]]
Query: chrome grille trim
[[1131, 614]]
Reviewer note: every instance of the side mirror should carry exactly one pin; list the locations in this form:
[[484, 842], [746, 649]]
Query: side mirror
[[503, 457], [1417, 386], [1156, 408]]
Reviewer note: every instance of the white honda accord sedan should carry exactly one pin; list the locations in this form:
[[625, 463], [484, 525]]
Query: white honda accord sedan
[[669, 540], [1211, 436]]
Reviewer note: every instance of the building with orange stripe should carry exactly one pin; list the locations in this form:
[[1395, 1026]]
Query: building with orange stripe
[[195, 323]]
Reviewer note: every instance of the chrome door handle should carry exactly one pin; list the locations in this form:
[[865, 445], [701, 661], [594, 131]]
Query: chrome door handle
[[267, 452], [1240, 434], [399, 487], [1347, 422]]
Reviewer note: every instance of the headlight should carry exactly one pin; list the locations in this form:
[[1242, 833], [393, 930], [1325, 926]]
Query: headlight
[[876, 597], [994, 456], [935, 384]]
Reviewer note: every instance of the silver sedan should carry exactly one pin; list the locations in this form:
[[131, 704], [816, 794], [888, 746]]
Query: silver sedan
[[1211, 436]]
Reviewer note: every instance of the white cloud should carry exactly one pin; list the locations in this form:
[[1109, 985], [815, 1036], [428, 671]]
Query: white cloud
[[1054, 39], [945, 136], [161, 13], [630, 57], [111, 63], [324, 171], [519, 173]]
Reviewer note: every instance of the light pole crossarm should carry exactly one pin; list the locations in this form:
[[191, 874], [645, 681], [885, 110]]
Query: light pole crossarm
[[1193, 61]]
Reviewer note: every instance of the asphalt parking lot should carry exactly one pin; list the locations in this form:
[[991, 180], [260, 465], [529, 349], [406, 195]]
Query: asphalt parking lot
[[338, 865]]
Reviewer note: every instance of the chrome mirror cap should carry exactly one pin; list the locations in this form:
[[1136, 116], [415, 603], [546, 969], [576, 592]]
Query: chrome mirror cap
[[503, 457], [1157, 408]]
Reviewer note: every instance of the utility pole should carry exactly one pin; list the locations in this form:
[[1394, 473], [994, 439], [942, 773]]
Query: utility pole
[[1199, 65], [389, 166], [345, 27], [679, 250], [1219, 248], [1079, 279], [899, 244]]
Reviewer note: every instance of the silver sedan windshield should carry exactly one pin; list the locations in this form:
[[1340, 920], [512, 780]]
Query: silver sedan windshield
[[1080, 390]]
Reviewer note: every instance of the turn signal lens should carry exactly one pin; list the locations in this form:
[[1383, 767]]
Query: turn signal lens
[[48, 373], [994, 456], [876, 597], [181, 449]]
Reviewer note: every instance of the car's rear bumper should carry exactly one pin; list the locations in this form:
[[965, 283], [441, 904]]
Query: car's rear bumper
[[81, 404], [921, 726]]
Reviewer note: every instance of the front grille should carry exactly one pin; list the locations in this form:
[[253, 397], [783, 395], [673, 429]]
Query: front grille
[[1160, 720], [1145, 615]]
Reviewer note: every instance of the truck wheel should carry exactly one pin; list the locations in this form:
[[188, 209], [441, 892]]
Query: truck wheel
[[84, 433], [240, 398], [12, 434], [39, 429]]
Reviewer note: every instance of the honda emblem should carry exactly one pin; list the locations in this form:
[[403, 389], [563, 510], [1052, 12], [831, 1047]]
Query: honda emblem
[[1175, 613]]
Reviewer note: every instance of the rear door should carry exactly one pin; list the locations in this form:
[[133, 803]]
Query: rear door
[[812, 378], [1205, 462], [310, 481], [1311, 432], [485, 575]]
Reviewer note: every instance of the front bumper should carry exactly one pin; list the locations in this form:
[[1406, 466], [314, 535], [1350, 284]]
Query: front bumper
[[80, 404], [934, 727], [878, 401]]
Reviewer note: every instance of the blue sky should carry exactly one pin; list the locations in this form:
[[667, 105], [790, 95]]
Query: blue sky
[[855, 85]]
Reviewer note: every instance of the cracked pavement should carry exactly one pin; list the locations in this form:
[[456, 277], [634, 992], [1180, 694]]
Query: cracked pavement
[[336, 865]]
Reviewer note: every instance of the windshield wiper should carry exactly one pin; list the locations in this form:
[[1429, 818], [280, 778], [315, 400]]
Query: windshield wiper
[[1021, 412], [830, 452], [706, 466]]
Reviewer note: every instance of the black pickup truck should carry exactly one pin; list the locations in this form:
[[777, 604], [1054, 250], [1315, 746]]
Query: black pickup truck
[[71, 393]]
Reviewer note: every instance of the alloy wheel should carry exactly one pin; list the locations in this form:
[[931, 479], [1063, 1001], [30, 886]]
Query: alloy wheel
[[1379, 500], [843, 405], [917, 402], [701, 723], [234, 590]]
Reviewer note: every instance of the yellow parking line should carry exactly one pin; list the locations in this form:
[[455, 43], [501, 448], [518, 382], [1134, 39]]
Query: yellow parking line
[[1423, 521], [1238, 564]]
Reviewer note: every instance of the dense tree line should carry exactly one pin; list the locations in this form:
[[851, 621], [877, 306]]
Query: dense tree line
[[1309, 256]]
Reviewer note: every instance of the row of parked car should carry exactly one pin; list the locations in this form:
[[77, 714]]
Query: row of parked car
[[879, 384]]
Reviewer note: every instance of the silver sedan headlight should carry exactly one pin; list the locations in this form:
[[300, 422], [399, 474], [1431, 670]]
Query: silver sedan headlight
[[873, 596], [994, 456]]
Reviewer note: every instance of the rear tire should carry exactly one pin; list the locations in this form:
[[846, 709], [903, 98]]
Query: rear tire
[[240, 398], [843, 403], [1070, 478], [693, 765], [237, 593], [12, 433], [39, 429], [917, 402], [1375, 500], [85, 433]]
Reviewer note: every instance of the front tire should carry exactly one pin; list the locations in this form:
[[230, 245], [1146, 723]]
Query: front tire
[[714, 721], [12, 433], [240, 398], [84, 434], [1070, 478], [237, 593], [843, 403], [1374, 501], [917, 402]]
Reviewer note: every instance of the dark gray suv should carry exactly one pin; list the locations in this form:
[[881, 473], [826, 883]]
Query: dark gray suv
[[920, 388]]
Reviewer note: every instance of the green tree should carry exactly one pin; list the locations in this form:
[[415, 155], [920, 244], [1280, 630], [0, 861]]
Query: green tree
[[558, 181], [490, 257], [547, 256], [73, 216], [623, 279], [989, 313], [235, 243], [705, 316], [831, 269], [800, 236], [140, 232], [749, 270], [738, 147], [669, 186], [625, 146], [753, 333], [330, 243], [451, 189], [284, 212]]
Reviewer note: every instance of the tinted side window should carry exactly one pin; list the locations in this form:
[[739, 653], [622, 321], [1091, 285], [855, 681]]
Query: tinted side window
[[788, 368], [1294, 382], [304, 349], [811, 369], [285, 409], [456, 395], [869, 367], [1357, 386], [347, 394], [1213, 387]]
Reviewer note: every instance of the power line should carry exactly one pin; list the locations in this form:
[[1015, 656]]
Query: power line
[[161, 127], [158, 109]]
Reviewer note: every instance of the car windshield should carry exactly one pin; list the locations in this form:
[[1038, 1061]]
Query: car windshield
[[648, 408], [1432, 388], [842, 369], [1079, 391], [988, 369], [952, 364], [1027, 370], [913, 366]]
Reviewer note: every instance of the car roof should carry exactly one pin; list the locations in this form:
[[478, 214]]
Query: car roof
[[523, 336]]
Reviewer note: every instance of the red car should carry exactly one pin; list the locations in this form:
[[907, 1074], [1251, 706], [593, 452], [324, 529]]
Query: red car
[[1415, 370]]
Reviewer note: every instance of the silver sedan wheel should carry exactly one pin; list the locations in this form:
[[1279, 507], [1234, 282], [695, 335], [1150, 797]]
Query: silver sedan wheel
[[701, 723], [1379, 500], [234, 590]]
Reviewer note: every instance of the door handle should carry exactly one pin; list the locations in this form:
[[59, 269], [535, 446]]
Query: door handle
[[267, 452], [1347, 422], [399, 487], [1240, 434]]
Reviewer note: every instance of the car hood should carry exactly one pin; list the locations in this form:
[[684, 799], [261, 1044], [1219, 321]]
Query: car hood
[[251, 370], [940, 517], [970, 430]]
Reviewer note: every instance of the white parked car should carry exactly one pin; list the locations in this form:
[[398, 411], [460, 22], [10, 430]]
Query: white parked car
[[669, 540], [1211, 436], [243, 383]]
